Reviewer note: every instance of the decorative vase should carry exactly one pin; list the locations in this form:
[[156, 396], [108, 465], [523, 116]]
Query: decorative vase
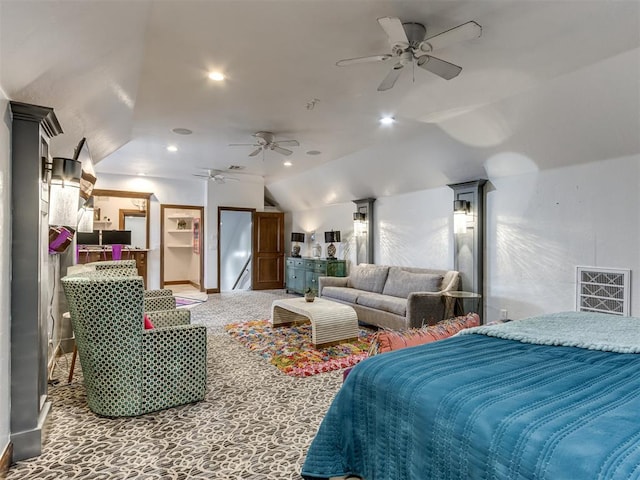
[[309, 296], [317, 250]]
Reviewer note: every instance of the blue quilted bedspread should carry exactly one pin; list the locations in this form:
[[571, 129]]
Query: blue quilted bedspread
[[480, 407]]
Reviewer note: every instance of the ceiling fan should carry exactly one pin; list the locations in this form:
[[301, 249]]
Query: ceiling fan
[[410, 47], [266, 141], [217, 176]]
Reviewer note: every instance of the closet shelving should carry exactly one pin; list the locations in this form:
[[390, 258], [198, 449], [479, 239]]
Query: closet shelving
[[181, 240]]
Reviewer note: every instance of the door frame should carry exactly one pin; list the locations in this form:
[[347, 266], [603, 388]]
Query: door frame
[[234, 209], [202, 240]]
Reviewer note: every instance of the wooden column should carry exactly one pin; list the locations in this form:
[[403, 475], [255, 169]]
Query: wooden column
[[32, 127], [469, 247]]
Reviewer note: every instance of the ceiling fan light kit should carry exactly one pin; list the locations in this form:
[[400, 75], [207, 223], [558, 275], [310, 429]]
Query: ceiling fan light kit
[[410, 47]]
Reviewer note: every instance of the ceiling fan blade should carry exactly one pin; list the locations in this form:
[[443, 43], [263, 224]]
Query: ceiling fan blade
[[390, 80], [394, 30], [255, 152], [283, 151], [243, 144], [293, 143], [466, 31], [441, 68], [203, 176], [371, 58]]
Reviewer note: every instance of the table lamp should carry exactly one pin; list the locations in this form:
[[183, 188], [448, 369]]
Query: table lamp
[[296, 237], [330, 237]]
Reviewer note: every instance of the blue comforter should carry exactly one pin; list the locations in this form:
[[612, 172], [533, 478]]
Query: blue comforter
[[479, 407]]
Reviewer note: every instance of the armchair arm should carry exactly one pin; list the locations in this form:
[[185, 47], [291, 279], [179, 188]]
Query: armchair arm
[[175, 366], [164, 292], [331, 282], [152, 304], [424, 308], [169, 318]]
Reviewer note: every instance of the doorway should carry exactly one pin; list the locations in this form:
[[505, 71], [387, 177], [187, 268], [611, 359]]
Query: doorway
[[136, 222], [182, 246], [235, 248]]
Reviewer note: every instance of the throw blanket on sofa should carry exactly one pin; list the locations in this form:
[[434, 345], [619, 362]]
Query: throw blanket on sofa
[[481, 407]]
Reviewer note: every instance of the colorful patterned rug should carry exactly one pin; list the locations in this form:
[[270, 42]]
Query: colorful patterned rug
[[290, 348], [187, 302]]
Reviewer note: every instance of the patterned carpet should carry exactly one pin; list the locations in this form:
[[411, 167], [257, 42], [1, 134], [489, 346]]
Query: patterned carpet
[[255, 422]]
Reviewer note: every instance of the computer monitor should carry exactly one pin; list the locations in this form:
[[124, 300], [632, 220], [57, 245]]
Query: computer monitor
[[116, 237], [88, 238]]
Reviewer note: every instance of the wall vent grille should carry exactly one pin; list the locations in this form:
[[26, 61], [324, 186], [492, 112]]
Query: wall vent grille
[[603, 290]]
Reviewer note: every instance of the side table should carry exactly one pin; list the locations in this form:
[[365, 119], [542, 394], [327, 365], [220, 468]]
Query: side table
[[458, 298]]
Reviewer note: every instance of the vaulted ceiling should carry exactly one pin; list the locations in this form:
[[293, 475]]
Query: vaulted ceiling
[[124, 74]]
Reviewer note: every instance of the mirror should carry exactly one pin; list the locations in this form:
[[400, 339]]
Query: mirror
[[122, 210]]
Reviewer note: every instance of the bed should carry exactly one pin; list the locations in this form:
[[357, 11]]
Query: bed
[[549, 397]]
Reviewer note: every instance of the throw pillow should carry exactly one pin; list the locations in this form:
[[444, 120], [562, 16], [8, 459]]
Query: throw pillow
[[401, 283], [369, 278], [148, 325], [388, 340]]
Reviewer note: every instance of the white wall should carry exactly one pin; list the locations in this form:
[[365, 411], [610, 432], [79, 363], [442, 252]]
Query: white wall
[[539, 227], [319, 220], [174, 192], [5, 271], [248, 193]]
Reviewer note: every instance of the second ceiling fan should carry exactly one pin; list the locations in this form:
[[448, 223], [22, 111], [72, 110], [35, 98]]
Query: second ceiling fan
[[266, 141], [410, 47]]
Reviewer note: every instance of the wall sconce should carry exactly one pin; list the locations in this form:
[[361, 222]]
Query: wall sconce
[[461, 211], [359, 223], [64, 192], [85, 217], [330, 237], [296, 237]]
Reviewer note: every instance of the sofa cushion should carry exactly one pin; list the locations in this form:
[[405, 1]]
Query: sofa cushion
[[387, 340], [386, 303], [401, 283], [344, 294], [370, 278]]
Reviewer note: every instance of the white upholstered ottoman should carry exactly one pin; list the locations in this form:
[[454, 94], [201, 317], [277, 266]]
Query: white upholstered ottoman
[[331, 322]]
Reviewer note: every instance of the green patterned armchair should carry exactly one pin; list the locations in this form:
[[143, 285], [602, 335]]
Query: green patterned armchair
[[128, 370], [127, 268]]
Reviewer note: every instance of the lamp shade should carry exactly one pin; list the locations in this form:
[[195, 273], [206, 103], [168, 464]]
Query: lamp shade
[[64, 192], [332, 236], [297, 237]]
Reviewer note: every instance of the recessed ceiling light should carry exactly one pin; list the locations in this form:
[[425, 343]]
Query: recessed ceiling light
[[172, 148], [217, 76], [387, 120], [287, 163], [182, 131], [314, 152]]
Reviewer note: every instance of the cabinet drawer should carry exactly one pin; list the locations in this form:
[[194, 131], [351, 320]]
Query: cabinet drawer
[[320, 267], [309, 264], [295, 262]]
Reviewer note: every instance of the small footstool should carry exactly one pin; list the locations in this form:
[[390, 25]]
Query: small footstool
[[331, 322]]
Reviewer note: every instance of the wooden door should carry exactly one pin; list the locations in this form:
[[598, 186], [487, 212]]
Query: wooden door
[[268, 250]]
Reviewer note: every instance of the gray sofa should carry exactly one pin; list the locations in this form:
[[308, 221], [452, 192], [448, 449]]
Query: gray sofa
[[393, 297]]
